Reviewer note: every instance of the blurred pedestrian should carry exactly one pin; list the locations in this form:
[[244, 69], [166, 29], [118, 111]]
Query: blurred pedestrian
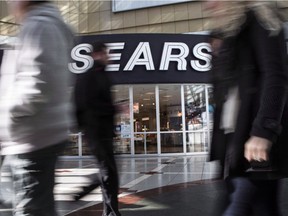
[[250, 79], [95, 113], [34, 104]]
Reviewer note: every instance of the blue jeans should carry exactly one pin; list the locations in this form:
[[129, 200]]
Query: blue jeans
[[253, 197], [33, 179]]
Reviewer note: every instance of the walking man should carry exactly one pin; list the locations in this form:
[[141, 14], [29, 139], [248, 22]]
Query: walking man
[[34, 104], [95, 113]]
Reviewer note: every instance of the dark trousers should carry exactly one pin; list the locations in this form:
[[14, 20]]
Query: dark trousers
[[101, 143], [252, 197], [33, 179]]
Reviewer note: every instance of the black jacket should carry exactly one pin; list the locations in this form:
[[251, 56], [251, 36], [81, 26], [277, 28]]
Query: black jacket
[[93, 98], [255, 61]]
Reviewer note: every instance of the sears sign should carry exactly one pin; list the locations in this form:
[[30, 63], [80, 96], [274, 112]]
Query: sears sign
[[143, 56], [148, 58]]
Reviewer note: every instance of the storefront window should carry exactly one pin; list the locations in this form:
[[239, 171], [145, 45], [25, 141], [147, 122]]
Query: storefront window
[[144, 110], [211, 110], [197, 141], [196, 118], [170, 118], [122, 139], [170, 108], [145, 143], [189, 124], [171, 143]]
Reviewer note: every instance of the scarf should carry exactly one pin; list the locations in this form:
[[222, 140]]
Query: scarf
[[229, 16]]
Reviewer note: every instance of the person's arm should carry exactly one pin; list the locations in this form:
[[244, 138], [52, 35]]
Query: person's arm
[[269, 51], [37, 67]]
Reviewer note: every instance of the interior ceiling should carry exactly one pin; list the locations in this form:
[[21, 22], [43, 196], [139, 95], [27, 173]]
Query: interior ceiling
[[70, 10]]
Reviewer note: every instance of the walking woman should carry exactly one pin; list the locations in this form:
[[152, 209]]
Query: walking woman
[[250, 79]]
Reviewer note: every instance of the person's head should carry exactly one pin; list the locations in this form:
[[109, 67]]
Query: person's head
[[99, 53], [228, 17], [19, 8]]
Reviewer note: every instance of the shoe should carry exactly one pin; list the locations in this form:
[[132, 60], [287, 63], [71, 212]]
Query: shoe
[[85, 190]]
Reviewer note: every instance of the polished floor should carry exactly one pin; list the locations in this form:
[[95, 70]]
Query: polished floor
[[175, 185]]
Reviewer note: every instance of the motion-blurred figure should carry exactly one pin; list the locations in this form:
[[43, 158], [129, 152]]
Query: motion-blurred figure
[[251, 88], [95, 113], [34, 104]]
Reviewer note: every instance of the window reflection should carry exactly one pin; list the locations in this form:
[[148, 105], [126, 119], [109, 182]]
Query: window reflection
[[122, 139], [170, 118], [171, 142], [197, 141], [170, 108], [145, 143], [196, 118], [144, 108], [144, 111], [194, 105]]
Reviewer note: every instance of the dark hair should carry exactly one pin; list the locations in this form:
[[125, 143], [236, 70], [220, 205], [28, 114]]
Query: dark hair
[[99, 46]]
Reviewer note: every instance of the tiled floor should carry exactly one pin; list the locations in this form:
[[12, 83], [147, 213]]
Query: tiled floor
[[150, 186], [185, 199], [136, 175]]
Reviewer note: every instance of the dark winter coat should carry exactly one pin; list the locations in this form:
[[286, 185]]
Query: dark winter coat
[[93, 100], [255, 61]]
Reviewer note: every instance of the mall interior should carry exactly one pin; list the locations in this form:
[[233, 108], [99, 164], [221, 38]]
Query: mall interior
[[164, 128]]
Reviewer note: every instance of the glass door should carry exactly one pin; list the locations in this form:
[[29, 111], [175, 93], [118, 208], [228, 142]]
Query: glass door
[[122, 139], [196, 118], [171, 126], [144, 123]]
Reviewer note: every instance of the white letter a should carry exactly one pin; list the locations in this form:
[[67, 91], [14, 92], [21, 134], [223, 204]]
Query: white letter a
[[142, 49]]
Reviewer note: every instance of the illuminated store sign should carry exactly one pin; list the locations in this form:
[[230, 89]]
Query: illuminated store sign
[[148, 58], [142, 56], [124, 5]]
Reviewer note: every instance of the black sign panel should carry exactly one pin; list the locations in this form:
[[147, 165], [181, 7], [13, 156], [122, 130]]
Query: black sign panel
[[148, 58], [153, 58]]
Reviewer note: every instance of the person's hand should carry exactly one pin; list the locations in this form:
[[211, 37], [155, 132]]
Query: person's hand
[[216, 44], [257, 149]]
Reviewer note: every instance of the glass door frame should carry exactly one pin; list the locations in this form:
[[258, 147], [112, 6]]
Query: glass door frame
[[158, 131]]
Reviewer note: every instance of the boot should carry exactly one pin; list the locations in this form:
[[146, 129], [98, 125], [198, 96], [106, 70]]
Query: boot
[[85, 190]]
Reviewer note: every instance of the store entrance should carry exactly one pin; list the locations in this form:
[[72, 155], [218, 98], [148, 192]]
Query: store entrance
[[158, 119], [144, 119], [166, 118]]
